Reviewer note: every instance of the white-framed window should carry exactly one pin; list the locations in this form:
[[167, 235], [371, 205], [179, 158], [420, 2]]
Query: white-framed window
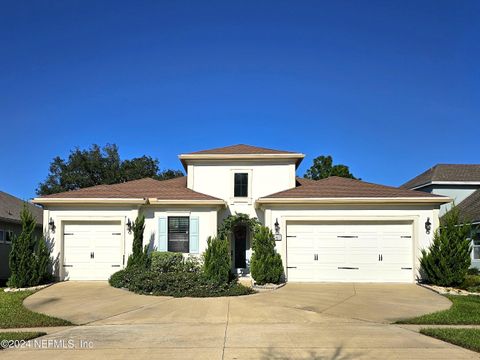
[[178, 234], [476, 246], [2, 236], [240, 186], [8, 236]]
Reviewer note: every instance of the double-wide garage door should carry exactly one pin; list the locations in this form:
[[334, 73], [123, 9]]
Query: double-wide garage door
[[92, 250], [363, 252]]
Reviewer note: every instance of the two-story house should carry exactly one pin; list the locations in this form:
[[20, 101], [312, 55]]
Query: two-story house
[[460, 182], [334, 229]]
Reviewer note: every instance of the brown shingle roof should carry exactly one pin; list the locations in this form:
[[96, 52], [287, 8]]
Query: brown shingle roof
[[445, 172], [10, 208], [338, 187], [173, 189], [469, 208], [240, 149]]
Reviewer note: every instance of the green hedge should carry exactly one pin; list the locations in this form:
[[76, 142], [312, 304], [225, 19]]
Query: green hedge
[[174, 283]]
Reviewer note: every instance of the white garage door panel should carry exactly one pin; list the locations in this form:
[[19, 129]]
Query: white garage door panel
[[92, 250], [368, 252]]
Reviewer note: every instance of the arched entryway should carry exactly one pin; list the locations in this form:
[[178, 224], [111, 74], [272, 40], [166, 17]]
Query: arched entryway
[[238, 229]]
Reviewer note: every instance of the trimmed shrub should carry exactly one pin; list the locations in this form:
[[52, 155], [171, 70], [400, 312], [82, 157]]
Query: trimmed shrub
[[140, 255], [170, 262], [471, 283], [266, 264], [217, 263], [473, 271], [448, 258], [176, 283]]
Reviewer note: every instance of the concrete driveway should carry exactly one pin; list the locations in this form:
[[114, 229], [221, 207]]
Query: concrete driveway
[[298, 321]]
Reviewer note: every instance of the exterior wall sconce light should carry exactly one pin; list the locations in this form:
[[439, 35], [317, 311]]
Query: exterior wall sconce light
[[129, 226], [277, 235], [51, 225], [428, 226]]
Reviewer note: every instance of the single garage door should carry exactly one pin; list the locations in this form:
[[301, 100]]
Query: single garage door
[[363, 252], [92, 250]]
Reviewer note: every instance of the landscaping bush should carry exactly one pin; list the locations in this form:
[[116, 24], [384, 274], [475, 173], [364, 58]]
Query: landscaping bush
[[471, 283], [140, 255], [176, 283], [448, 258], [217, 266], [172, 262], [29, 260], [266, 264], [473, 271]]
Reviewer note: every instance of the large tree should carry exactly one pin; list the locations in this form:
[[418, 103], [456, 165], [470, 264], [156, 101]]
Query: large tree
[[323, 168], [96, 166]]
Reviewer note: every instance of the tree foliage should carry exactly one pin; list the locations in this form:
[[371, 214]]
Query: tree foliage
[[266, 264], [448, 258], [323, 168], [97, 166], [29, 261], [217, 262]]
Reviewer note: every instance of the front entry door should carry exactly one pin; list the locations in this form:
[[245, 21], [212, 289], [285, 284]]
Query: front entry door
[[240, 234]]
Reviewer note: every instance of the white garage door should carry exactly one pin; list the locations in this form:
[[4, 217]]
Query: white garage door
[[92, 250], [363, 252]]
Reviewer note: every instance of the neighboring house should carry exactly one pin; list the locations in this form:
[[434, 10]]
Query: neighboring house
[[334, 229], [461, 182], [10, 224]]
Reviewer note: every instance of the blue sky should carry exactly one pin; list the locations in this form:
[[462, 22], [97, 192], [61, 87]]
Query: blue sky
[[387, 87]]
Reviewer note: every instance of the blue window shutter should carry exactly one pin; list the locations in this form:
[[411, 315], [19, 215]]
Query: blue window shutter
[[194, 235], [162, 234]]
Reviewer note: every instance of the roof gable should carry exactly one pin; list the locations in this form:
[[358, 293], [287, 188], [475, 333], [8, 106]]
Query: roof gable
[[11, 206], [469, 208], [445, 173]]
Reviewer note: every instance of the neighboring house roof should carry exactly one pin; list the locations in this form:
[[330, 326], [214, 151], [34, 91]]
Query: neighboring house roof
[[241, 149], [445, 173], [173, 190], [340, 188], [469, 208], [11, 206], [241, 152]]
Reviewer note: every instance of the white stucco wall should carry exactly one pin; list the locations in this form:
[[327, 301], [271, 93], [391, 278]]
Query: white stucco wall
[[417, 215], [265, 178], [62, 214], [458, 194]]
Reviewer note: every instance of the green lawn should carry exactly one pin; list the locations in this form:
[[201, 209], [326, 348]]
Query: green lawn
[[464, 311], [17, 336], [467, 338], [14, 315]]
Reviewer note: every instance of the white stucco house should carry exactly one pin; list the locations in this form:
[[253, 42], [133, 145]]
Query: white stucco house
[[461, 183], [334, 229]]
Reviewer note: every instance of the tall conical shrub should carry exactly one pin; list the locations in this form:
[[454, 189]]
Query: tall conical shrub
[[266, 264], [449, 256], [217, 262], [139, 256], [30, 262]]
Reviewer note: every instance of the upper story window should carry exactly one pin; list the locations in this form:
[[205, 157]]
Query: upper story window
[[241, 185]]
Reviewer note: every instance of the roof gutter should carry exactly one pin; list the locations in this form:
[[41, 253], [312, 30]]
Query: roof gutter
[[59, 201], [355, 200], [429, 183]]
